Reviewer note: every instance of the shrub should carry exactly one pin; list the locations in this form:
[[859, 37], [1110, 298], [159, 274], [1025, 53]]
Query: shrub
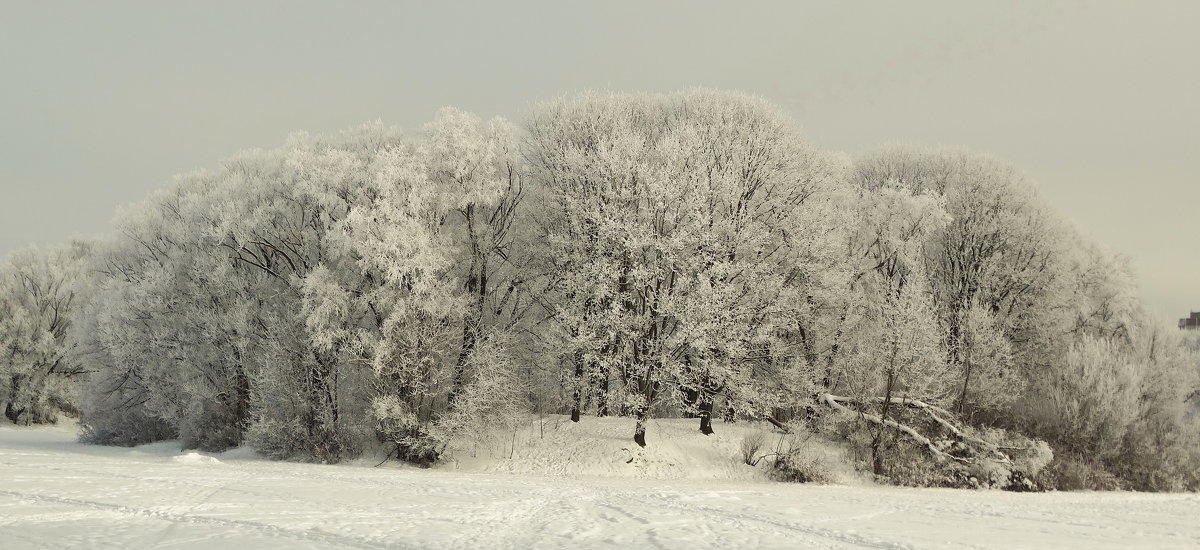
[[399, 427], [123, 428], [294, 440], [751, 446], [800, 464], [1070, 473]]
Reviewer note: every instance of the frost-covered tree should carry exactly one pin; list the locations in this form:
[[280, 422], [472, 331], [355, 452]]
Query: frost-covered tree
[[38, 302], [447, 279], [1120, 405], [670, 222], [885, 345], [1092, 401], [166, 326], [639, 254], [476, 168], [997, 267], [988, 379], [1161, 447], [277, 297], [881, 267]]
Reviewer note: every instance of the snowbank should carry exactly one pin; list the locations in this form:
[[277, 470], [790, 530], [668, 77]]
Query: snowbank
[[194, 458], [603, 447]]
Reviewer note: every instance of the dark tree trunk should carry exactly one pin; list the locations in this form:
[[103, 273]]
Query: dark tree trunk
[[460, 364], [602, 394], [11, 411], [639, 429], [577, 396], [641, 412], [706, 412], [827, 379], [242, 407], [876, 457], [476, 287], [962, 399]]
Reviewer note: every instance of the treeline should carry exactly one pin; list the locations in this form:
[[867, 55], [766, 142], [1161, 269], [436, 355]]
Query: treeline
[[619, 254]]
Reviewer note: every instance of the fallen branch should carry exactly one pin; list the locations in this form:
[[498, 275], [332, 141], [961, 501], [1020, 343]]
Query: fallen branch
[[389, 456], [938, 415], [777, 424], [835, 402]]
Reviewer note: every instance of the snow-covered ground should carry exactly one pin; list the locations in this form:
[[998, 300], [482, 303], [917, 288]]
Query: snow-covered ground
[[56, 493]]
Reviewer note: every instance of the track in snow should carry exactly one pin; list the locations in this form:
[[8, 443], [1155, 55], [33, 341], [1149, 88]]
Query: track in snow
[[55, 493]]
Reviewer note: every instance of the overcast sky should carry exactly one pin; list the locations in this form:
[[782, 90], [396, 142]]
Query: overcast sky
[[102, 102]]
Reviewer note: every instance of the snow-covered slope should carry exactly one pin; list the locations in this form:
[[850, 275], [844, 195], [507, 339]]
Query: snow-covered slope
[[56, 493], [604, 447]]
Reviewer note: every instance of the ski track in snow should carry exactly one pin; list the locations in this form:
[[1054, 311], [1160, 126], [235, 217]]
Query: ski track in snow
[[58, 494]]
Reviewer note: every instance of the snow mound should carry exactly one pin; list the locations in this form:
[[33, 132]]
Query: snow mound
[[194, 458], [242, 453], [604, 447]]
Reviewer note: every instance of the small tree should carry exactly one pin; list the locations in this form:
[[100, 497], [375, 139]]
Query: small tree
[[38, 303]]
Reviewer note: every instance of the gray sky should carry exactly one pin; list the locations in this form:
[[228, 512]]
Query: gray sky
[[101, 103]]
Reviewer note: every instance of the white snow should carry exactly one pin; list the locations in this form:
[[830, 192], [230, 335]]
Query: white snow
[[604, 447], [194, 458], [56, 493]]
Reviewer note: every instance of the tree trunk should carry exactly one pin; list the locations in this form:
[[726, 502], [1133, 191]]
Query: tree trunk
[[641, 412], [706, 412], [476, 287], [577, 396], [602, 393], [639, 429], [876, 454], [242, 407], [933, 412], [13, 411], [460, 364], [827, 379]]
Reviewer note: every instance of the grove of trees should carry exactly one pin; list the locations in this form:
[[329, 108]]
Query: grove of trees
[[634, 255]]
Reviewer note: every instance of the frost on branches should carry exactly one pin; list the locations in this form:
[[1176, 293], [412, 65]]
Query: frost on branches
[[678, 229], [634, 255], [39, 374]]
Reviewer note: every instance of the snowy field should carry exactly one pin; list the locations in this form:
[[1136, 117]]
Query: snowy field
[[56, 493]]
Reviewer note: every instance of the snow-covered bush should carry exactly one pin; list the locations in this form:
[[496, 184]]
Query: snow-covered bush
[[1161, 448], [1158, 458], [799, 465], [796, 459], [401, 428], [1090, 404], [491, 398], [751, 447], [115, 418], [1071, 473]]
